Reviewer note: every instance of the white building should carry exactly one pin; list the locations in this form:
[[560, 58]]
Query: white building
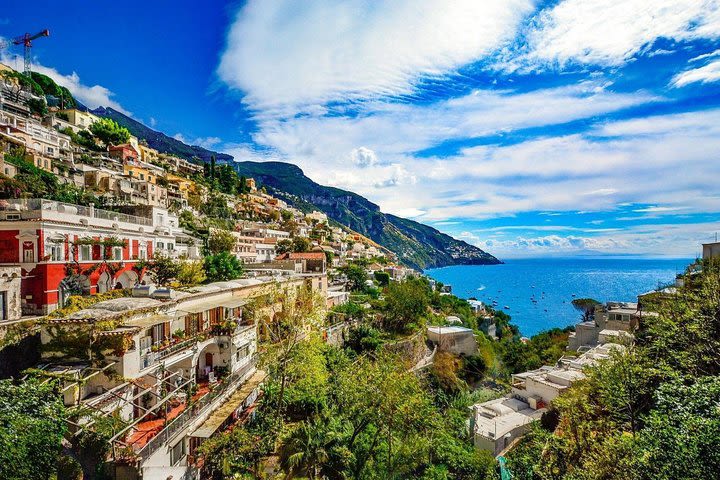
[[453, 339], [177, 371], [495, 424]]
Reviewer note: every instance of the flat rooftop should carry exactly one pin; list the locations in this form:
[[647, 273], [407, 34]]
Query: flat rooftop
[[453, 330], [496, 418]]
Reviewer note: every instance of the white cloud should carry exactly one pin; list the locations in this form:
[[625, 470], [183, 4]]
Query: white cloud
[[363, 157], [91, 96], [706, 74], [320, 144], [611, 32], [293, 54], [670, 239], [397, 175], [205, 142]]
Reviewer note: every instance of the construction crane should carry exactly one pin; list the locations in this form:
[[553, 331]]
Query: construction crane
[[25, 40]]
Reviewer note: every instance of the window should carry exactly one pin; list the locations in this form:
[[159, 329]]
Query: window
[[243, 352], [145, 344], [117, 253], [160, 245], [142, 254], [177, 453], [55, 251], [50, 150], [85, 253]]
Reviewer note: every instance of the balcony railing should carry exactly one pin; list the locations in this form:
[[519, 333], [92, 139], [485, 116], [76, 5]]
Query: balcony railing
[[195, 410], [40, 205]]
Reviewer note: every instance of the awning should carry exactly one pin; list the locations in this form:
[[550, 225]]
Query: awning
[[220, 416], [234, 302], [149, 321], [200, 307]]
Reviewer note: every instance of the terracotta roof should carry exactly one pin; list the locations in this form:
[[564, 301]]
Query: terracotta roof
[[302, 256]]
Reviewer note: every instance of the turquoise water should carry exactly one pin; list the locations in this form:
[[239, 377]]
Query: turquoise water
[[552, 283]]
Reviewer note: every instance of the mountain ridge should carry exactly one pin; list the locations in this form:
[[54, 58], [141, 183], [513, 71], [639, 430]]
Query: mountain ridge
[[416, 244]]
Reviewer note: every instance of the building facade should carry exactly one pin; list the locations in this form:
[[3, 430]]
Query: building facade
[[66, 249]]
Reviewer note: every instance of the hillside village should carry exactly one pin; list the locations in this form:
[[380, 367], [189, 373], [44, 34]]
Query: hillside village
[[190, 325]]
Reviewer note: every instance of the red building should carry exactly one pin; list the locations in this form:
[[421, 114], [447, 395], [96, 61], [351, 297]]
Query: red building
[[68, 249], [124, 152]]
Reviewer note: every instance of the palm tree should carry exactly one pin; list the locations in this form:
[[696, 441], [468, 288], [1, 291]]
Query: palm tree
[[308, 448]]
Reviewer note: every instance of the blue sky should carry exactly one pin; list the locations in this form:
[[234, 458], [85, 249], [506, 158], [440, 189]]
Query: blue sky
[[527, 128]]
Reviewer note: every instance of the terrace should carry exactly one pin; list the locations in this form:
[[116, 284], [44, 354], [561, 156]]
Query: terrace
[[42, 209], [159, 425]]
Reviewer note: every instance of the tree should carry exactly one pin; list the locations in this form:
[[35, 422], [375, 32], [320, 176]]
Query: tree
[[32, 425], [586, 307], [624, 386], [283, 246], [222, 266], [109, 132], [406, 304], [226, 455], [191, 273], [388, 412], [300, 244], [683, 432], [383, 278], [356, 276], [216, 206], [308, 377], [220, 241], [286, 315], [163, 268], [308, 449]]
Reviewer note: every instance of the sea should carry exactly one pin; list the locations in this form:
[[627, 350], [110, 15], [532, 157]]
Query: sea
[[538, 291]]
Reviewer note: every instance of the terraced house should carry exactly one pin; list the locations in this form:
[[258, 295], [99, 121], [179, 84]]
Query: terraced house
[[169, 372], [66, 249]]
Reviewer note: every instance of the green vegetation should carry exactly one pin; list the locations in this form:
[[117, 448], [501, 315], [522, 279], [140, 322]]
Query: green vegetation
[[33, 182], [222, 266], [356, 276], [648, 412], [49, 87], [295, 245], [416, 244], [340, 429], [586, 307], [32, 425], [109, 132], [221, 241]]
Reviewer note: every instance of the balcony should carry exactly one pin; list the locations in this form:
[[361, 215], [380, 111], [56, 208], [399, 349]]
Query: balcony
[[41, 209], [151, 438]]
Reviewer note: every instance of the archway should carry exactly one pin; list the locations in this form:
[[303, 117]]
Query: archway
[[207, 360], [104, 283], [127, 279]]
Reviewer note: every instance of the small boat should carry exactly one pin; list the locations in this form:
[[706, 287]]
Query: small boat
[[574, 295], [506, 307]]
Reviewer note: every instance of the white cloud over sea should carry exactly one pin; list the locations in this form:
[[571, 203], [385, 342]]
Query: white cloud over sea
[[398, 101]]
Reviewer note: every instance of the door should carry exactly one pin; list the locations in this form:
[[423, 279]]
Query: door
[[209, 360]]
